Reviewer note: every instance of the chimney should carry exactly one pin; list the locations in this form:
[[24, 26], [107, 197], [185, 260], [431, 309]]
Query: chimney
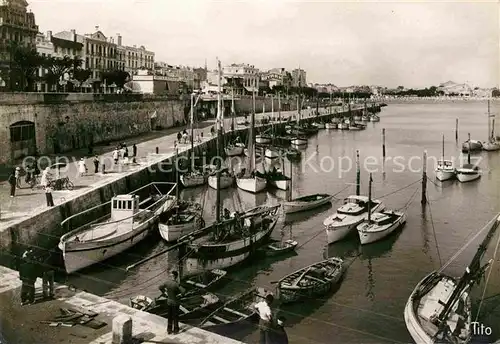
[[119, 39], [73, 35], [49, 36]]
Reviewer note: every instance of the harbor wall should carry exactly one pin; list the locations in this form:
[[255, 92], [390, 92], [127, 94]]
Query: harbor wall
[[43, 229], [53, 123]]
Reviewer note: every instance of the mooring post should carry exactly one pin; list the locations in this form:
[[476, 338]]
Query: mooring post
[[358, 174], [456, 130], [383, 144], [424, 179], [157, 150]]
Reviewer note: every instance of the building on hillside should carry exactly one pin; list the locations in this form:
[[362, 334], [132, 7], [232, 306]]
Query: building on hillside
[[299, 78], [51, 46], [17, 27], [133, 58], [242, 78], [325, 88]]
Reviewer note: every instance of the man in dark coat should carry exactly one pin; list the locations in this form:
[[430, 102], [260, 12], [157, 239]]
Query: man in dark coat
[[172, 289], [28, 276], [278, 334]]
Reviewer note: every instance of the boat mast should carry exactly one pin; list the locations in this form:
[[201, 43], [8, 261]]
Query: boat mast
[[219, 143], [192, 132], [370, 199], [177, 181], [251, 147], [443, 150], [468, 152], [232, 109], [489, 124], [279, 106], [471, 274]]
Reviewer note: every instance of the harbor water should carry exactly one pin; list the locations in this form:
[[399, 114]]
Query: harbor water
[[368, 305]]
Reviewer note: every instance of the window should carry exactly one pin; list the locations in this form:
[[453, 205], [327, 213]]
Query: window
[[115, 204], [129, 204]]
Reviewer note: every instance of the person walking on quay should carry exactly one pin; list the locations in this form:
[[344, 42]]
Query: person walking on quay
[[48, 196], [172, 289], [96, 164], [12, 182], [179, 137], [125, 155], [44, 180], [116, 155], [82, 168], [185, 136], [134, 150], [265, 318], [27, 274]]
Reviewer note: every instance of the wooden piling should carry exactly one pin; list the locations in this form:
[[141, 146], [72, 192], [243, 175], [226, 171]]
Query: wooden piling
[[358, 174], [456, 130], [424, 179], [383, 144]]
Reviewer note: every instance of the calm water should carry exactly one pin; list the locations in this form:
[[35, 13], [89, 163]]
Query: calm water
[[368, 306]]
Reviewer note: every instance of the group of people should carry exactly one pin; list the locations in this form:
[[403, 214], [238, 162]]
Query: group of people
[[121, 151], [183, 136], [31, 267], [271, 327]]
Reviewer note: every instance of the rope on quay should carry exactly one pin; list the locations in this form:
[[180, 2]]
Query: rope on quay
[[403, 188]]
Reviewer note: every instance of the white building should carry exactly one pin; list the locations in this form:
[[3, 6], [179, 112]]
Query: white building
[[133, 58], [242, 74]]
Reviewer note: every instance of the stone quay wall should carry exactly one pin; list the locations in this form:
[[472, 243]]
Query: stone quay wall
[[69, 121]]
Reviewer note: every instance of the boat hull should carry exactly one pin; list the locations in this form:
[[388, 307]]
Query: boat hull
[[79, 257], [262, 140], [367, 237], [271, 154], [254, 185], [298, 142], [280, 184], [171, 232], [443, 175], [297, 206], [491, 146], [189, 181], [331, 126], [234, 151], [474, 146], [225, 182], [467, 177]]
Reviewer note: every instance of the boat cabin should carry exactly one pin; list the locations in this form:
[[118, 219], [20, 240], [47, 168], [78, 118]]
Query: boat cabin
[[123, 207], [445, 164], [355, 205], [384, 218]]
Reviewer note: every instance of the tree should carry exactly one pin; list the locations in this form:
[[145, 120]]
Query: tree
[[27, 62], [58, 67], [81, 75], [117, 77], [495, 93]]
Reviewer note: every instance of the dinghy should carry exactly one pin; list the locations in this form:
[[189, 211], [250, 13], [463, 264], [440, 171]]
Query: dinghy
[[129, 222], [207, 280], [331, 125], [193, 179], [186, 218], [306, 203], [312, 281], [278, 248], [237, 310], [380, 225], [226, 179]]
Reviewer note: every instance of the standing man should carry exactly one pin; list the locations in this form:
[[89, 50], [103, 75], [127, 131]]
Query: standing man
[[116, 155], [172, 289], [12, 182], [265, 318], [96, 164], [27, 274], [47, 274], [134, 150], [48, 196], [278, 334]]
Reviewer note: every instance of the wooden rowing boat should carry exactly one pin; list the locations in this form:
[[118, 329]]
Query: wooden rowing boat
[[278, 248], [313, 280], [306, 203], [203, 282], [237, 310]]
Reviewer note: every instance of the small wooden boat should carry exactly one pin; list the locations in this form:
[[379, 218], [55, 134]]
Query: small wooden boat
[[185, 218], [380, 225], [278, 248], [194, 306], [472, 146], [311, 281], [263, 139], [237, 310], [319, 125], [226, 180], [298, 141], [343, 126], [306, 203], [277, 179], [193, 179], [293, 154], [235, 149], [204, 281], [374, 118]]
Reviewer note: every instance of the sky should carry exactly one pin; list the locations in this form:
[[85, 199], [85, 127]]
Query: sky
[[408, 43]]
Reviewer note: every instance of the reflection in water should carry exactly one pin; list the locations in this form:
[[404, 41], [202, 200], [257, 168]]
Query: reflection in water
[[371, 282]]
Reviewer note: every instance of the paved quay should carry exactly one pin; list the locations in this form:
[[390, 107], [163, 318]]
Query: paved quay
[[29, 202], [27, 324]]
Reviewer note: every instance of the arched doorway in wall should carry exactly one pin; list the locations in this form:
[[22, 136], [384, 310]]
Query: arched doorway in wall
[[22, 139]]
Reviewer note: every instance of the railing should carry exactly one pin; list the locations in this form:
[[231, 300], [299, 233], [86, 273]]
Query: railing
[[66, 222]]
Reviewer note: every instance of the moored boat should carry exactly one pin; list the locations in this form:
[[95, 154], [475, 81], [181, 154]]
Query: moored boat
[[226, 180], [207, 280], [306, 203], [374, 118], [235, 149], [298, 141], [193, 179], [468, 172], [253, 184], [311, 281], [348, 216], [472, 146], [278, 248], [445, 169], [380, 225], [342, 126], [293, 153], [129, 222], [263, 139], [184, 219], [439, 309]]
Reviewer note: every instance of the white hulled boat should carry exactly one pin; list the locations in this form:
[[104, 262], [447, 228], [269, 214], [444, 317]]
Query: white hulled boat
[[439, 310], [472, 146], [445, 169], [380, 225], [193, 179], [342, 126], [129, 222], [348, 216], [468, 172], [271, 154], [226, 179], [185, 218], [263, 139]]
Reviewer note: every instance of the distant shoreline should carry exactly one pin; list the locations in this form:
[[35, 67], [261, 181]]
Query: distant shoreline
[[434, 100]]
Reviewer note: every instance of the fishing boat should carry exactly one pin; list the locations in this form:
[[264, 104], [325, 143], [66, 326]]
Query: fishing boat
[[239, 309], [492, 144], [194, 306], [468, 172], [278, 248], [130, 221], [365, 118], [276, 178], [271, 154], [439, 310], [355, 126], [445, 169], [207, 280], [225, 181], [263, 139], [249, 179], [380, 225], [311, 281], [186, 217], [348, 216], [306, 203], [357, 117]]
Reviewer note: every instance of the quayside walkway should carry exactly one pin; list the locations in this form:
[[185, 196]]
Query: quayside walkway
[[32, 323]]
